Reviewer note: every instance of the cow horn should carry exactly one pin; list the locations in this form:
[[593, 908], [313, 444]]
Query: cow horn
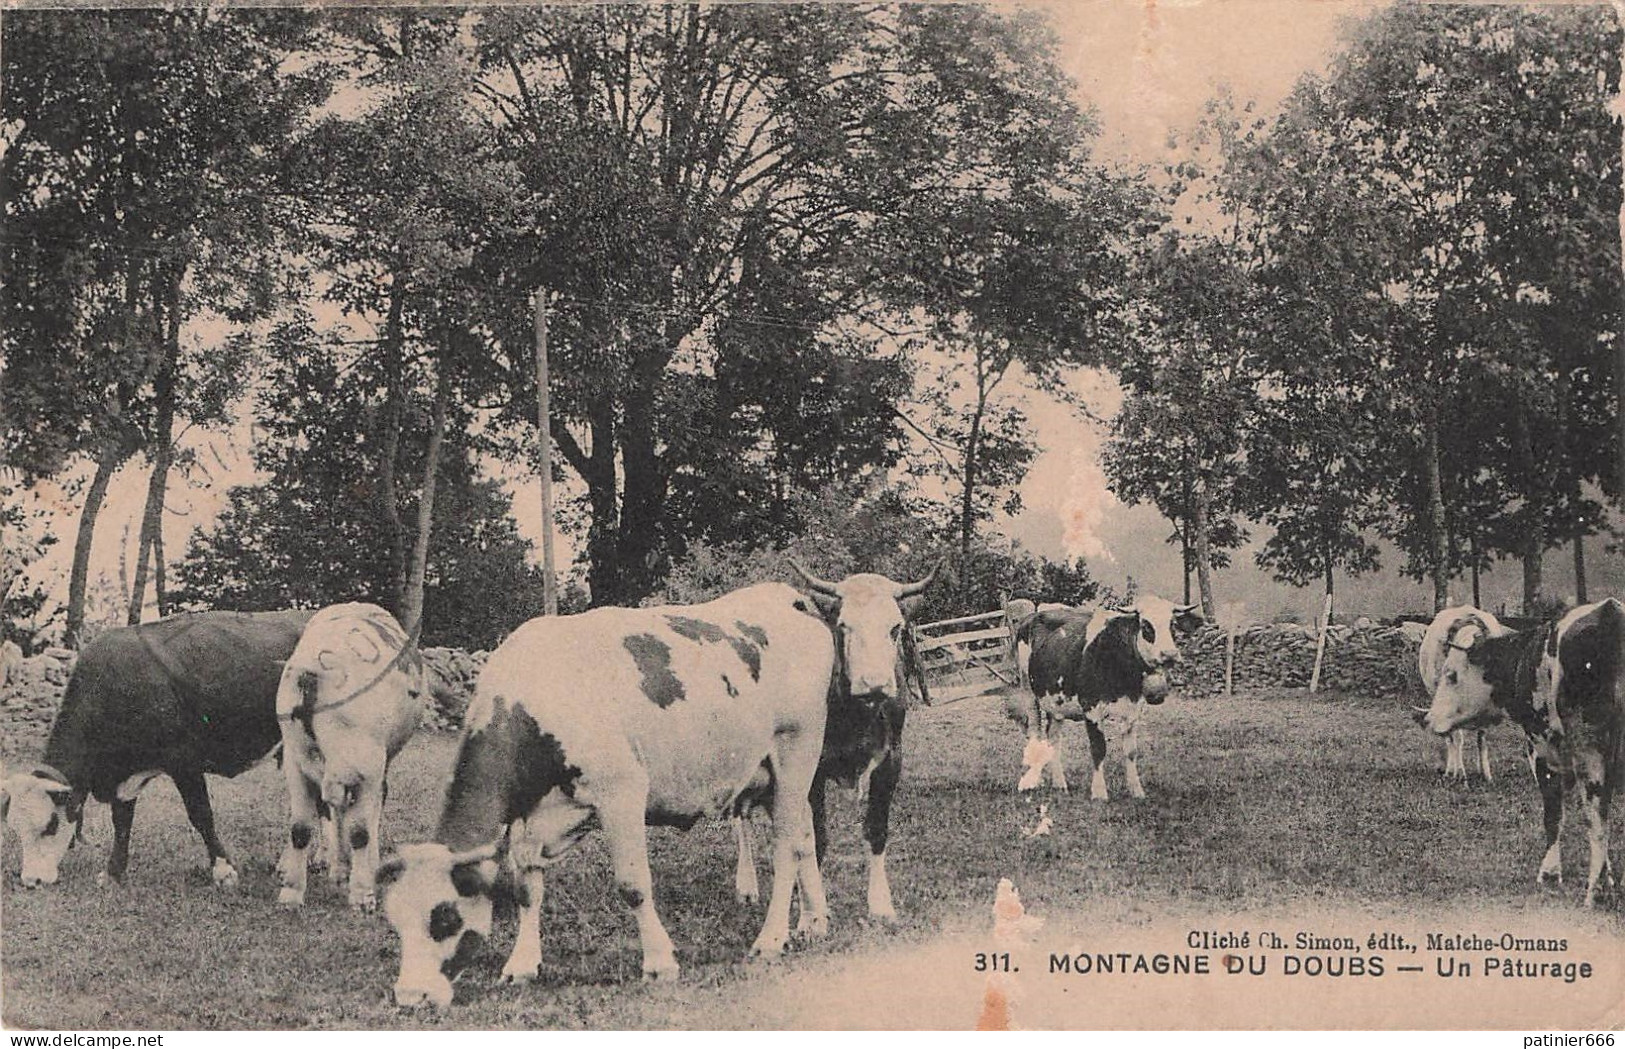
[[912, 589], [46, 772], [823, 586]]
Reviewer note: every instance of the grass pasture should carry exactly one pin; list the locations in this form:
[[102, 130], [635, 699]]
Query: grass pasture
[[1322, 813]]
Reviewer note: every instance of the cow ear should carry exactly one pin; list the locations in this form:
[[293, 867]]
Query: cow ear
[[910, 605], [829, 607]]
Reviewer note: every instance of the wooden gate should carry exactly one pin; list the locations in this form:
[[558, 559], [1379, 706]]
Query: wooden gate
[[967, 656]]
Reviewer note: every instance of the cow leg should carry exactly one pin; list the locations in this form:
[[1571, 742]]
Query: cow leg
[[123, 818], [1455, 765], [806, 922], [195, 796], [876, 830], [526, 960], [294, 866], [746, 890], [1595, 793], [1057, 761], [1551, 798], [622, 817], [1131, 754], [1097, 755], [1484, 757], [361, 823], [795, 765]]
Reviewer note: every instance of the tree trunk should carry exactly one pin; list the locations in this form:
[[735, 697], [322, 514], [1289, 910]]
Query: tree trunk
[[644, 496], [412, 607], [1472, 550], [1201, 501], [1437, 568], [1330, 575], [967, 502], [1185, 556], [603, 552], [77, 578], [161, 450], [1579, 569], [389, 512], [1535, 500]]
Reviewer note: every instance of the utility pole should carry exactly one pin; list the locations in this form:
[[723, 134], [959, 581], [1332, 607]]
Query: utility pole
[[544, 412]]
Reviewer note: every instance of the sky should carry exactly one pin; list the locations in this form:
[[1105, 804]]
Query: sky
[[1147, 68]]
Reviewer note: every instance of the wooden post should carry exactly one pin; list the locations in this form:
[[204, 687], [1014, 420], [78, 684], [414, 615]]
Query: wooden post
[[1229, 659], [544, 419], [1320, 645]]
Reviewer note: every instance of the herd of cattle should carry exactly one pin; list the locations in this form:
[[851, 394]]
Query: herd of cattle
[[620, 718]]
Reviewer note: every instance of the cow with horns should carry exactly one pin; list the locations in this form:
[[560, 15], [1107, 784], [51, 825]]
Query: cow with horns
[[1564, 685], [876, 661]]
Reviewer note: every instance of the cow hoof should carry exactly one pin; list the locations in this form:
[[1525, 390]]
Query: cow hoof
[[1552, 878], [290, 897], [225, 875], [813, 928], [365, 902], [520, 974], [338, 875], [661, 971], [766, 951], [746, 897]]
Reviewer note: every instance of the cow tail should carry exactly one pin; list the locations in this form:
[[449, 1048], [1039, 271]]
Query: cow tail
[[308, 684]]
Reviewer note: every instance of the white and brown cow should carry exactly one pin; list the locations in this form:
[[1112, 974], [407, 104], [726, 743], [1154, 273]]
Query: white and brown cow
[[617, 718], [1457, 628], [1100, 667], [1564, 685], [350, 698], [875, 665]]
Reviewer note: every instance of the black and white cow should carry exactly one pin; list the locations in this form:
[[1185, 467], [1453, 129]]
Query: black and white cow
[[351, 696], [1456, 627], [185, 696], [1564, 685], [1100, 667], [616, 718], [868, 703]]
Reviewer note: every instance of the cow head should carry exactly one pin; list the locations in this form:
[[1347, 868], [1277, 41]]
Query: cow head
[[1452, 666], [1154, 629], [435, 899], [869, 613], [44, 812]]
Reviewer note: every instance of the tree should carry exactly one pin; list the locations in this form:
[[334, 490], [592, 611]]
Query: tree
[[309, 535], [1451, 155], [711, 191], [143, 159]]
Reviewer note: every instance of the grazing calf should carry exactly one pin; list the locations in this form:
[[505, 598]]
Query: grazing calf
[[185, 696], [1101, 668], [868, 702], [616, 718], [1449, 628], [1564, 685], [351, 695]]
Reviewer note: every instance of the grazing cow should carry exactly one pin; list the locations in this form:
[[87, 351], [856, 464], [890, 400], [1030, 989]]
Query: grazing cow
[[1564, 685], [1101, 668], [185, 696], [351, 695], [868, 701], [1450, 628], [615, 718]]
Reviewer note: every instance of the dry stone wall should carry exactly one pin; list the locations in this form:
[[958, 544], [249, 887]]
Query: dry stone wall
[[1366, 659]]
